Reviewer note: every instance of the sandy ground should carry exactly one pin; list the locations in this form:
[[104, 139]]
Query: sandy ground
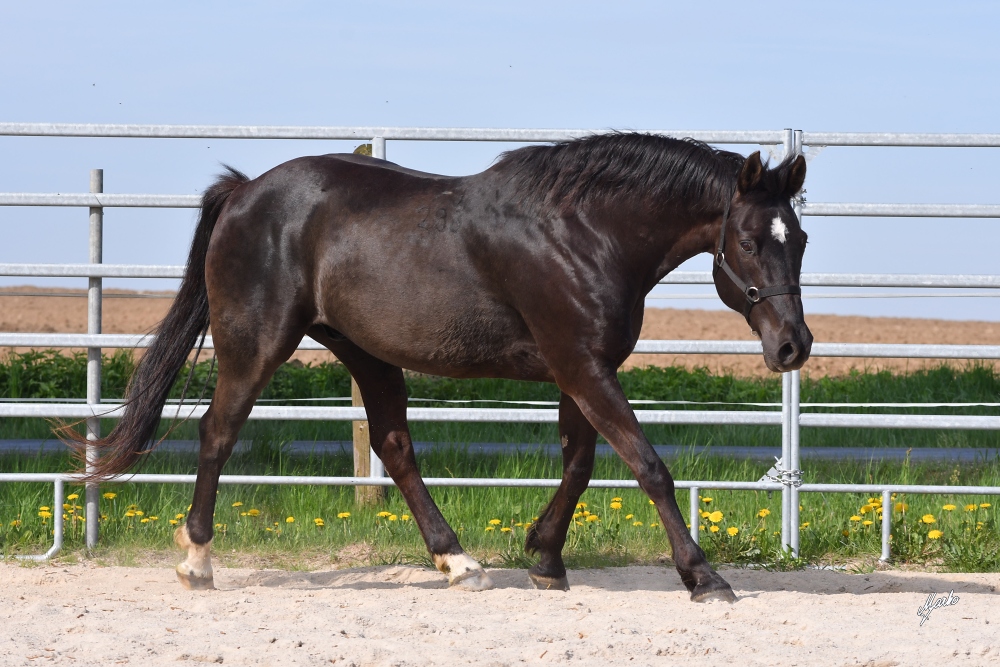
[[139, 315], [397, 615]]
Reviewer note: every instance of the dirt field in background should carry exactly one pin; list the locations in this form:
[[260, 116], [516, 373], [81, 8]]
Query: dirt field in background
[[139, 315]]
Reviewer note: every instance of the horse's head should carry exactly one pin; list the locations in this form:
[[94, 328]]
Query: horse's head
[[759, 257]]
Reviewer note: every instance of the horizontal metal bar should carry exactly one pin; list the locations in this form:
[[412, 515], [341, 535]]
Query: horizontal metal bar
[[361, 133], [490, 482], [903, 210], [901, 139], [92, 200], [92, 270], [851, 279], [860, 350], [514, 415], [675, 278]]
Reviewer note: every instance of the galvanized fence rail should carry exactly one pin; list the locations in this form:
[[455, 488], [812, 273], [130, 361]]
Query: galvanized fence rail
[[787, 477]]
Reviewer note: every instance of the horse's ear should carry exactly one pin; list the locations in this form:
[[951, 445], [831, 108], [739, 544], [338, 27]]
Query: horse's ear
[[750, 174], [796, 177]]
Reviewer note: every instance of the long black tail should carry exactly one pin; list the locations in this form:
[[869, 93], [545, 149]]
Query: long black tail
[[176, 335]]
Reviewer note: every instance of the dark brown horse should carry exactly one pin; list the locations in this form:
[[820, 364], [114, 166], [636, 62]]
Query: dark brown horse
[[536, 269]]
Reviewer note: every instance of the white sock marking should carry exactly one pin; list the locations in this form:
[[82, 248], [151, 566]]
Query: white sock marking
[[778, 229]]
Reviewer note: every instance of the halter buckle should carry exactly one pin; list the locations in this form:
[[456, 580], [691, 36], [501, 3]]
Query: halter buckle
[[753, 294], [720, 258]]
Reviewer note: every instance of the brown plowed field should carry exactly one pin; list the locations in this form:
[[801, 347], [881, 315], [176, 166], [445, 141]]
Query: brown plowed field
[[68, 314]]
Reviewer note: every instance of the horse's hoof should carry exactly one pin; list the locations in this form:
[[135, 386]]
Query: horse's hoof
[[192, 582], [713, 590], [472, 580], [549, 583]]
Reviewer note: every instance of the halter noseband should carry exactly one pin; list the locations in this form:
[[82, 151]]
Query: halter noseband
[[753, 294]]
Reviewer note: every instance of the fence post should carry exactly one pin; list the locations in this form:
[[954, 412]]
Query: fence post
[[695, 514], [94, 308], [366, 462]]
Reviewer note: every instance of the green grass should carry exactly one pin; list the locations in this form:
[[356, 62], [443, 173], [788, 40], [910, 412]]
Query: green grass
[[970, 540], [613, 540]]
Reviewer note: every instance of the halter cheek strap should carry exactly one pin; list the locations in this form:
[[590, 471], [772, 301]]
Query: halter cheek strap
[[753, 294]]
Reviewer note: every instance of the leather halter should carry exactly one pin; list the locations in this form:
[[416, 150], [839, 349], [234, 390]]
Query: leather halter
[[753, 294]]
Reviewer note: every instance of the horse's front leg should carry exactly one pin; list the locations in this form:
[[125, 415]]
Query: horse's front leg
[[548, 535], [596, 389]]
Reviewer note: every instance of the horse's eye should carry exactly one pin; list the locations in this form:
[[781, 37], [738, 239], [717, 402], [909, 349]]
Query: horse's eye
[[747, 246]]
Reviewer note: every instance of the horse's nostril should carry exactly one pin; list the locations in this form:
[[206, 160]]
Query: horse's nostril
[[788, 353]]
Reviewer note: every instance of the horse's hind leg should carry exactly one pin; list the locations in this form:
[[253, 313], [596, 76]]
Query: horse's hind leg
[[548, 535], [245, 366], [384, 392]]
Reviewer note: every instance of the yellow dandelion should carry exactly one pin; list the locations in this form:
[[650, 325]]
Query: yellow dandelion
[[615, 505], [579, 523], [865, 509], [651, 502], [495, 522], [290, 519], [732, 530], [581, 506], [703, 514], [984, 505], [243, 513], [971, 508], [855, 518], [139, 513], [592, 518], [179, 516], [714, 529], [654, 525], [405, 517], [901, 507], [44, 508], [45, 515], [763, 513], [701, 528], [637, 523], [16, 523], [238, 503], [319, 522], [706, 500], [144, 520], [154, 518], [928, 518], [616, 499], [804, 525], [174, 522], [867, 523], [110, 496], [490, 529], [393, 517], [383, 514], [253, 512], [577, 515], [505, 529], [73, 496], [628, 517], [586, 512], [935, 534], [343, 515], [130, 514], [948, 508], [715, 517]]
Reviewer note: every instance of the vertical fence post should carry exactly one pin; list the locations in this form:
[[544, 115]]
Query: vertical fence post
[[366, 462], [94, 308], [363, 455], [795, 477], [886, 526], [695, 514], [786, 455]]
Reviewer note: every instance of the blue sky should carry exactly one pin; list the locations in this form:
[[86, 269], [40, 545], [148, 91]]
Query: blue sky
[[846, 66]]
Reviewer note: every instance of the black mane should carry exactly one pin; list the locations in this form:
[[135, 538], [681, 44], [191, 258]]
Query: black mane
[[631, 164]]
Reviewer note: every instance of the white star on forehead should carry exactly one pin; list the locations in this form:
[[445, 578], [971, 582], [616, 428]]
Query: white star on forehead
[[778, 229]]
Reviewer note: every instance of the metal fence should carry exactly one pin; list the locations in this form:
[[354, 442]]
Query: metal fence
[[786, 476]]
